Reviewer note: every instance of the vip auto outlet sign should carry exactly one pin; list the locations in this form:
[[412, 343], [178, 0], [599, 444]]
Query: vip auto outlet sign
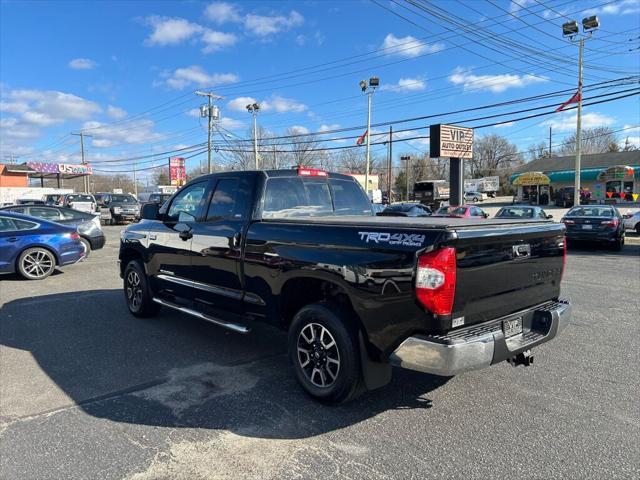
[[450, 141]]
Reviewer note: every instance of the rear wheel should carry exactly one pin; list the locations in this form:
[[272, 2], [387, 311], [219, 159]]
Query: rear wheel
[[324, 351], [137, 291], [638, 228], [87, 247], [617, 246], [36, 263]]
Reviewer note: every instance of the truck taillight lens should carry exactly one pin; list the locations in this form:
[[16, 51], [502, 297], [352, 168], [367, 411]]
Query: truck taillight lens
[[436, 280], [564, 257], [311, 172]]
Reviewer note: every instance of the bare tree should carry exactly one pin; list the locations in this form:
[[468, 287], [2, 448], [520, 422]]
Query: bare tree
[[493, 155], [304, 149], [594, 140], [538, 150]]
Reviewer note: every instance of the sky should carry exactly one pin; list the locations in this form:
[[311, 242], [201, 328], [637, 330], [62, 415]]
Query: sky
[[125, 72]]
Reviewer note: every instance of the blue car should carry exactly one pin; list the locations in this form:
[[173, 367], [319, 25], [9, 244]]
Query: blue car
[[34, 247]]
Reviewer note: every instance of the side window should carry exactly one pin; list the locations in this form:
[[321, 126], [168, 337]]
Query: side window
[[476, 212], [45, 213], [24, 224], [22, 210], [185, 205], [7, 225], [224, 200]]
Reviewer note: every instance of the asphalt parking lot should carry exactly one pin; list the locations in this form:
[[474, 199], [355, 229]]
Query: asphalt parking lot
[[89, 391]]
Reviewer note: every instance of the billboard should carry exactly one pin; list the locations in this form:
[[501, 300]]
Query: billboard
[[177, 171], [450, 141]]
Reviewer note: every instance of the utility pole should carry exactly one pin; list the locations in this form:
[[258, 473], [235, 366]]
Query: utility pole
[[576, 191], [253, 109], [407, 159], [85, 178], [135, 180], [275, 158], [211, 112], [389, 161], [549, 142]]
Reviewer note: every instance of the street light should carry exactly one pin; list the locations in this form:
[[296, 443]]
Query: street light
[[374, 82], [570, 29], [253, 109]]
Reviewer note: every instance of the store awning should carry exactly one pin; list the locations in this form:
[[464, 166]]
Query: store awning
[[531, 178], [619, 172]]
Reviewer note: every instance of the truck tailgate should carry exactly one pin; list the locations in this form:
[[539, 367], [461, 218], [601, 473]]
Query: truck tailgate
[[502, 270]]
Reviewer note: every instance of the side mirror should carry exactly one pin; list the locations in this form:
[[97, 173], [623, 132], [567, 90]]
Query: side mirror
[[150, 211], [549, 217], [485, 215]]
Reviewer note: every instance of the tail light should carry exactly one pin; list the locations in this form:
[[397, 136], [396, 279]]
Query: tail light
[[75, 236], [610, 223], [436, 280], [311, 172], [564, 257]]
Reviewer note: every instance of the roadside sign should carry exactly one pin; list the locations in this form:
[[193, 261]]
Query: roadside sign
[[450, 141]]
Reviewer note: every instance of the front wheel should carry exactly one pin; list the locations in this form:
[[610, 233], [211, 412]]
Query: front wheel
[[324, 351], [137, 292]]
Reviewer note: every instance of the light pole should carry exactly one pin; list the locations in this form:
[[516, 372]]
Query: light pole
[[406, 158], [374, 82], [571, 30], [211, 112], [253, 109]]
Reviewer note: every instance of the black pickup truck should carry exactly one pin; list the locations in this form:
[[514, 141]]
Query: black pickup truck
[[302, 250]]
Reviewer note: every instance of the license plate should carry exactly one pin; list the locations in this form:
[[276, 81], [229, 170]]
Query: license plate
[[512, 327], [587, 227]]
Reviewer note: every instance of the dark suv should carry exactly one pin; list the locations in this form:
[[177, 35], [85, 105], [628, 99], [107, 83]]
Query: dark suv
[[122, 206]]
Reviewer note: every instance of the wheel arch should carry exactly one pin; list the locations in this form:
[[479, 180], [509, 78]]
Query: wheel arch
[[127, 254]]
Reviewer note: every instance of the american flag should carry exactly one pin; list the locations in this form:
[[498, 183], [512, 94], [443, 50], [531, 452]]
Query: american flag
[[43, 167]]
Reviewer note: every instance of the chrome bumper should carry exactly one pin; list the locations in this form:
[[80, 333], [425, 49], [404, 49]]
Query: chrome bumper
[[479, 346]]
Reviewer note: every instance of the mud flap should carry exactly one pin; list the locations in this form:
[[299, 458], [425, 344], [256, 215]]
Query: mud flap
[[375, 374]]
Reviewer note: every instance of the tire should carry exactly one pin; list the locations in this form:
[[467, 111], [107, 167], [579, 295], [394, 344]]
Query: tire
[[137, 291], [36, 263], [638, 228], [87, 247], [324, 352], [617, 246]]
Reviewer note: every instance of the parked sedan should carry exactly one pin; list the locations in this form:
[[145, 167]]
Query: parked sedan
[[462, 211], [34, 247], [522, 212], [595, 223], [474, 196], [632, 221], [86, 224], [407, 209]]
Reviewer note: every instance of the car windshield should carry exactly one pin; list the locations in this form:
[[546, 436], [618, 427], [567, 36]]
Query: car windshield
[[123, 199], [80, 198], [590, 212], [515, 212]]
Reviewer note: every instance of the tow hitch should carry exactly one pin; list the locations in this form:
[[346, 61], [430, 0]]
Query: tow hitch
[[524, 358]]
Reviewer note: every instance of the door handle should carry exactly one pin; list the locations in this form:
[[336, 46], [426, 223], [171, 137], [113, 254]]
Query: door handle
[[236, 240], [12, 239], [185, 235]]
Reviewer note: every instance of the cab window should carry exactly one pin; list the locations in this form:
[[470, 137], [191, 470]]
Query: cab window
[[186, 204], [223, 201]]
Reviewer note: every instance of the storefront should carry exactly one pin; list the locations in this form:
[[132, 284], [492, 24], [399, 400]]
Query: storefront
[[533, 188]]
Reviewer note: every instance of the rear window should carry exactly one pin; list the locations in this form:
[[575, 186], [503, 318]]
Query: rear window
[[288, 197], [516, 212], [590, 212]]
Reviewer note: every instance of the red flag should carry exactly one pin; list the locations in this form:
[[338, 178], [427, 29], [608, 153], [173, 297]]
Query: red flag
[[574, 99], [362, 138]]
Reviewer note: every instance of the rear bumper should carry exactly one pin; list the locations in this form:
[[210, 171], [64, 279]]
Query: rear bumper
[[97, 242], [482, 345], [592, 236]]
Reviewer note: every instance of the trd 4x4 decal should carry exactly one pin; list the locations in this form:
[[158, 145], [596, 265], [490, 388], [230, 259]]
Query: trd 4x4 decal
[[405, 239]]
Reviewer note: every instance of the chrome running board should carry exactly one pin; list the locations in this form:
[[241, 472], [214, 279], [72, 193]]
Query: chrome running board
[[189, 311]]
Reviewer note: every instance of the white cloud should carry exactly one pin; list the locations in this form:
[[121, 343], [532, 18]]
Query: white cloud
[[82, 64], [58, 105], [566, 121], [516, 6], [493, 83], [215, 41], [265, 25], [282, 105], [222, 12], [329, 128], [39, 119], [231, 123], [239, 104], [136, 131], [13, 107], [116, 113], [408, 46], [299, 130], [623, 7], [406, 85], [195, 75], [504, 124], [301, 40], [170, 31]]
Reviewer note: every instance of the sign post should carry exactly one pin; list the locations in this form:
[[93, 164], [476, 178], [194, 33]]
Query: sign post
[[457, 144]]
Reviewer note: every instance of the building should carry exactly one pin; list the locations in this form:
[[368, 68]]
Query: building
[[13, 175], [612, 177]]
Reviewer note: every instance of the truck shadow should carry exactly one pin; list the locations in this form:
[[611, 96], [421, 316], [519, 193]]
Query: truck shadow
[[589, 248], [172, 371]]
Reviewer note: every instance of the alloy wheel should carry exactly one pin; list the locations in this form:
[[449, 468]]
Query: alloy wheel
[[38, 264], [134, 290], [318, 355]]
